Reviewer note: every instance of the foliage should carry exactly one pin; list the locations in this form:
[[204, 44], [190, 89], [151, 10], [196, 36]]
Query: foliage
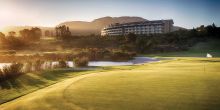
[[63, 64], [154, 43], [122, 56], [12, 42], [96, 54], [81, 61], [28, 66], [48, 33], [32, 34], [63, 32], [11, 72], [38, 65]]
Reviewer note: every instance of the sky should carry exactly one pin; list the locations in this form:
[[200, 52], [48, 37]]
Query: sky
[[185, 13]]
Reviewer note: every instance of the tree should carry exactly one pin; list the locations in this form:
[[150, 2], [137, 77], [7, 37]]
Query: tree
[[144, 43], [33, 34], [2, 38], [11, 33], [47, 33], [131, 37], [25, 33], [36, 33], [62, 32]]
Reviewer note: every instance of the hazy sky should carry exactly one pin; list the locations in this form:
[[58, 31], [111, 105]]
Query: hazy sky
[[185, 13]]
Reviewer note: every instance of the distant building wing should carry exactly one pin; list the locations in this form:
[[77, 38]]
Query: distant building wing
[[145, 27]]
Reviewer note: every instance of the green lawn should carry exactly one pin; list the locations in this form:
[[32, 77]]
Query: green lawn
[[30, 82], [180, 84]]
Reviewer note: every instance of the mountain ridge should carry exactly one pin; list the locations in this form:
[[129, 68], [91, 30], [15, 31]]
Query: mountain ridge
[[87, 28]]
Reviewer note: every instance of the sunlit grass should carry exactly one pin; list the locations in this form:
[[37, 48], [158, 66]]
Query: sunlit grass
[[30, 82], [183, 83]]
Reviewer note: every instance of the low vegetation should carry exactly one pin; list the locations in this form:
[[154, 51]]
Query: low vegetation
[[94, 54], [81, 61], [11, 72], [63, 64]]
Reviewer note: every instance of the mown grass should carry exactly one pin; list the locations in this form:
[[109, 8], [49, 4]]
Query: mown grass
[[179, 84], [24, 84]]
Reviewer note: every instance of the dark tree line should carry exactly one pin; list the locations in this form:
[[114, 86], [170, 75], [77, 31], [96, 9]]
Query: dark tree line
[[208, 31], [173, 41], [11, 41], [63, 32], [32, 34], [48, 33], [26, 37]]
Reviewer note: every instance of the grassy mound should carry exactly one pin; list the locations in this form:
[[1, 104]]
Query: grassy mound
[[26, 83]]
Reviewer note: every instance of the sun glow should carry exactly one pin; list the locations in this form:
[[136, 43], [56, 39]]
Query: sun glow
[[6, 14], [13, 15]]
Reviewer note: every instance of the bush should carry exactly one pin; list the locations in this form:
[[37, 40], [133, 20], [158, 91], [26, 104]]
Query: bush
[[63, 64], [48, 65], [11, 72], [122, 56], [2, 76], [28, 66], [38, 65], [81, 61]]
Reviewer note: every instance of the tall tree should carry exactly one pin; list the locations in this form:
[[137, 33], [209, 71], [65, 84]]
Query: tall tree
[[62, 32]]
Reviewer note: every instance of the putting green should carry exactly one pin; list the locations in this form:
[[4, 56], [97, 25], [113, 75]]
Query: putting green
[[182, 84]]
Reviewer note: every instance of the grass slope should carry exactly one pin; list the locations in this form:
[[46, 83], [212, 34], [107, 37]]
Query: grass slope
[[211, 46], [30, 82], [181, 84]]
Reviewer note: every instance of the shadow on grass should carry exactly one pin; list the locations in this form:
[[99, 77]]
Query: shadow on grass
[[212, 61], [8, 84], [54, 75], [19, 82], [37, 79]]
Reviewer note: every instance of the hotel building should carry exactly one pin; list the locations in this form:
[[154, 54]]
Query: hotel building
[[139, 28]]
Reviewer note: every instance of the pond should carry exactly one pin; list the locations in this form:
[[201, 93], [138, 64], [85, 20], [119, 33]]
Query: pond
[[135, 61]]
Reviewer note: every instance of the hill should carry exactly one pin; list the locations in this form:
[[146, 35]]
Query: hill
[[94, 27], [85, 27]]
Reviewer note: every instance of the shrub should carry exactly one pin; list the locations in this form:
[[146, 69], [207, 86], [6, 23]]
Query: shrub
[[48, 65], [12, 71], [38, 65], [28, 66], [119, 56], [81, 61], [2, 76], [63, 64]]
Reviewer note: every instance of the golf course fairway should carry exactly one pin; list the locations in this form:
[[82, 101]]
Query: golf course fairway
[[178, 84]]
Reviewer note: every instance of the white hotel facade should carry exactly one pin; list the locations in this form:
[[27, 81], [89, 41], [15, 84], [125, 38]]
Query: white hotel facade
[[139, 28]]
